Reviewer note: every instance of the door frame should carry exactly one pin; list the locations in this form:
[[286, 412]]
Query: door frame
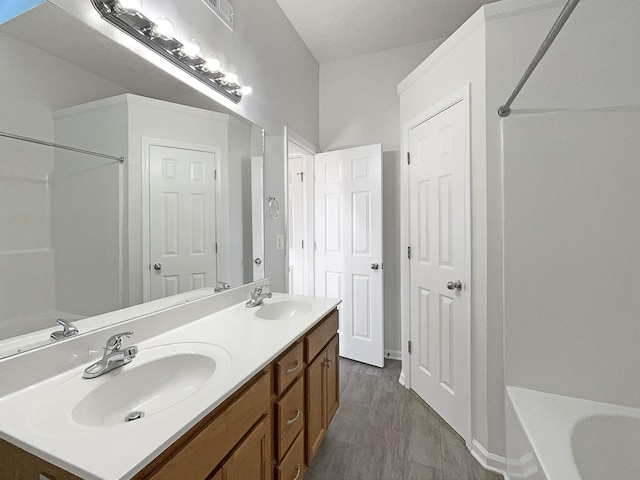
[[463, 95], [146, 143], [293, 137]]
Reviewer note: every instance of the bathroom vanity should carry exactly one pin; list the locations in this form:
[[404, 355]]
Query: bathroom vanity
[[261, 389]]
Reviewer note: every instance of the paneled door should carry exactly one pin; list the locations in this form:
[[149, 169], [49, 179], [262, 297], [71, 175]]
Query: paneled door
[[348, 261], [181, 220], [296, 230], [440, 366]]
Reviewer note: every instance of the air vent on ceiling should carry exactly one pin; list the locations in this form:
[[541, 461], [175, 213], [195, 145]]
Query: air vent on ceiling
[[223, 9]]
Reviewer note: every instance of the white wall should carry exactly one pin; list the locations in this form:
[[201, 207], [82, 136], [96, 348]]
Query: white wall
[[359, 105]]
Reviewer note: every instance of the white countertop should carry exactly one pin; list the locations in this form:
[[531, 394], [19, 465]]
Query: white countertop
[[34, 418]]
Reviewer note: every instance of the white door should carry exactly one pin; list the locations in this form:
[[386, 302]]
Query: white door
[[296, 230], [181, 220], [349, 246], [257, 216], [439, 158]]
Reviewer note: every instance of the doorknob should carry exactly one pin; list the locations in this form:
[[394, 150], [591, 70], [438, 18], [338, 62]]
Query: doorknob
[[157, 267], [457, 285], [258, 261], [374, 266]]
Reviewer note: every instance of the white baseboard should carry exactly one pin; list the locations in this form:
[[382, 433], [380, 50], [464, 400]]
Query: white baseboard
[[393, 354], [489, 461]]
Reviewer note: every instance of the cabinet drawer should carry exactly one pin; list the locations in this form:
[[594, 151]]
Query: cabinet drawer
[[290, 417], [320, 336], [208, 447], [292, 466], [288, 367]]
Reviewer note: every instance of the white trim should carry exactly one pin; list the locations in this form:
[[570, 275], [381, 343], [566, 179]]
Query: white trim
[[463, 95], [490, 461], [393, 354], [146, 143]]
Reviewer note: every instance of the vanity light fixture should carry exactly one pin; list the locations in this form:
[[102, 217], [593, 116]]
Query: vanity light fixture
[[159, 36]]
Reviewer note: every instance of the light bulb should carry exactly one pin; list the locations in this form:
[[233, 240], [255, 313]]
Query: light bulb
[[191, 48], [129, 5], [163, 27], [243, 91], [213, 64], [231, 78]]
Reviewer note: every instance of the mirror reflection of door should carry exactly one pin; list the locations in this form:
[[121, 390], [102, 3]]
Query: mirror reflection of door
[[182, 230], [257, 216]]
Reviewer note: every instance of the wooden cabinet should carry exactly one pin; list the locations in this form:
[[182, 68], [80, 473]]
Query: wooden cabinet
[[322, 382], [252, 458], [205, 446]]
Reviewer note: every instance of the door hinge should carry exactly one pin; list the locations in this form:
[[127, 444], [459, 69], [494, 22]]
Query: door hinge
[[409, 346], [215, 174], [409, 253], [408, 158], [315, 245], [216, 247], [303, 244]]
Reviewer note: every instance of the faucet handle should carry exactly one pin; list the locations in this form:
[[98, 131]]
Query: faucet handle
[[115, 341]]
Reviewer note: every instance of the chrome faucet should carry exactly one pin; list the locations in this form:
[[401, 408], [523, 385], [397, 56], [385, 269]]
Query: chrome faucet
[[114, 357], [221, 287], [258, 295], [68, 330]]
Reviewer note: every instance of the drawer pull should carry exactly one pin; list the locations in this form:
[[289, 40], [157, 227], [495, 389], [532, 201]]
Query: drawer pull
[[297, 472], [296, 417], [290, 370]]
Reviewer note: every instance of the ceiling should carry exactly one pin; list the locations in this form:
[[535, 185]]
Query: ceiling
[[335, 29]]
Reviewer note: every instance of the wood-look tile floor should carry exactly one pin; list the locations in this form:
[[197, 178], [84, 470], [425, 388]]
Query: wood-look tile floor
[[382, 431]]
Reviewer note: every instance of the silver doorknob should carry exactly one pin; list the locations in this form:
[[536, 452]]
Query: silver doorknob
[[457, 285], [374, 266], [258, 261], [157, 267]]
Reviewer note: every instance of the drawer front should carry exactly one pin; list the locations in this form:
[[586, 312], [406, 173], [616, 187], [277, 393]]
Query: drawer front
[[292, 466], [288, 367], [320, 336], [290, 417], [207, 448]]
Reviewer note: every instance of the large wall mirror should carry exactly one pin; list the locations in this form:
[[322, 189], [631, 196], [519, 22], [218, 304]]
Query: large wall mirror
[[80, 234]]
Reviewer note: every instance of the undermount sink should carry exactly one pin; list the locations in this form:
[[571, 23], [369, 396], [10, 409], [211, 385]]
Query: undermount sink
[[157, 379], [282, 309]]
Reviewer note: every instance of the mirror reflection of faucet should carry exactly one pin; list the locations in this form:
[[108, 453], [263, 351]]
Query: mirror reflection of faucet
[[258, 296], [68, 330], [114, 356], [221, 287]]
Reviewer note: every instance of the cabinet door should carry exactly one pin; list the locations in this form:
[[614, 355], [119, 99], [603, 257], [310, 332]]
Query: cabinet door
[[316, 404], [333, 380], [252, 458]]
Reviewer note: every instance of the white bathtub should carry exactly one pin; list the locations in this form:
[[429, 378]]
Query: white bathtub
[[571, 438]]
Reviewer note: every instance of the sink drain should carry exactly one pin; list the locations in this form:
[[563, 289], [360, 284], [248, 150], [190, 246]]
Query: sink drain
[[133, 416]]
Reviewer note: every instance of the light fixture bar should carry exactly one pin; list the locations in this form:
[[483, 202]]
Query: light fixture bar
[[136, 25]]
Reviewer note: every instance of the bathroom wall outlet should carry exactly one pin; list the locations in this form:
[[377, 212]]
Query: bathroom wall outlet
[[279, 242]]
